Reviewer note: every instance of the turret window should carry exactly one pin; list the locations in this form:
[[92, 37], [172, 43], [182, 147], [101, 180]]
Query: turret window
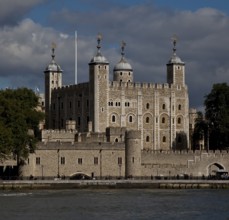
[[120, 73], [130, 118], [113, 118], [179, 121]]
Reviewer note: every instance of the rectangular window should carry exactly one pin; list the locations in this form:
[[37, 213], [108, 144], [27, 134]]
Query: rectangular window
[[38, 160], [62, 160], [80, 161], [119, 161], [96, 160]]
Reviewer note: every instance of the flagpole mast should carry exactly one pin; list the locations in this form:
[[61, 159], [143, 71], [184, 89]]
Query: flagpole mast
[[75, 57]]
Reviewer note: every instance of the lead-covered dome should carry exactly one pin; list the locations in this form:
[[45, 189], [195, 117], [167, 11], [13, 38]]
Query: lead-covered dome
[[123, 65], [175, 59], [53, 66]]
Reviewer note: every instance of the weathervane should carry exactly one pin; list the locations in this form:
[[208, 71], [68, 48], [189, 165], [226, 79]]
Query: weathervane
[[53, 46], [123, 44], [174, 41], [99, 38]]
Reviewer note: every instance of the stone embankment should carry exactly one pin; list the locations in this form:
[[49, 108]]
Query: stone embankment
[[113, 184]]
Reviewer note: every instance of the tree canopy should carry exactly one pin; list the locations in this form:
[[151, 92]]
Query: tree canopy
[[217, 116], [18, 115]]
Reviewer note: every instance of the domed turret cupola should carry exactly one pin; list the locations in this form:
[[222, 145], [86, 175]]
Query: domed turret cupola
[[175, 67], [123, 71], [53, 66], [99, 58]]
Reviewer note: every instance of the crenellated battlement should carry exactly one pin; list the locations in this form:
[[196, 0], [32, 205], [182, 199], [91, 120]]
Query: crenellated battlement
[[186, 152], [114, 84], [72, 87]]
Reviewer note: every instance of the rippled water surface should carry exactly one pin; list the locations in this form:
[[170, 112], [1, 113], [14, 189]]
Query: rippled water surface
[[115, 204]]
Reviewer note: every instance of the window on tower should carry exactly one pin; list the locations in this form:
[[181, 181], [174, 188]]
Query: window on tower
[[113, 118]]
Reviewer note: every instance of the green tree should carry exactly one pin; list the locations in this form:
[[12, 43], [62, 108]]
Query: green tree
[[217, 115], [18, 115]]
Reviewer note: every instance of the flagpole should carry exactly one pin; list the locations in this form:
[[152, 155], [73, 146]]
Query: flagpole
[[75, 57]]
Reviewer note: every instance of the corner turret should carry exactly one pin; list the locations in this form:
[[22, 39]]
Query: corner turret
[[175, 67], [123, 71], [98, 90], [53, 79]]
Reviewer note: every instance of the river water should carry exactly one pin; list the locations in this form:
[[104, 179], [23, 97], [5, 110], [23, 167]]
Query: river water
[[119, 204]]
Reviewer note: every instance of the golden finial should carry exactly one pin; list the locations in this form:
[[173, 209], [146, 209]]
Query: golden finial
[[53, 46], [99, 36]]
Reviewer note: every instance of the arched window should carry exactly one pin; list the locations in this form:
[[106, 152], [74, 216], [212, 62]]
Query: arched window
[[163, 120], [179, 121], [147, 105], [147, 138], [147, 120], [179, 107], [163, 106], [130, 118], [113, 118], [164, 139], [116, 139]]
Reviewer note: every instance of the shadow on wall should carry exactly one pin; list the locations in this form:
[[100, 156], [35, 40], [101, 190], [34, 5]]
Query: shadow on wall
[[180, 142]]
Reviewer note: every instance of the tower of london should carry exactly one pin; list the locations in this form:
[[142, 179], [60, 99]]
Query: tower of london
[[159, 111], [119, 128]]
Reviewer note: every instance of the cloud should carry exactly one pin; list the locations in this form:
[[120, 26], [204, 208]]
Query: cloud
[[11, 11], [202, 45]]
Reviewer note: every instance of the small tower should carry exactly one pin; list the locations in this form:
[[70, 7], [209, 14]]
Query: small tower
[[175, 67], [133, 153], [123, 71], [98, 89], [53, 79]]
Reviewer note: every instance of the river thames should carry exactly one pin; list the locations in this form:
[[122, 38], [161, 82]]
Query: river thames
[[121, 204]]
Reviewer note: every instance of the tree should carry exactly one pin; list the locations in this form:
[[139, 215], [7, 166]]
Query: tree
[[18, 115], [217, 115]]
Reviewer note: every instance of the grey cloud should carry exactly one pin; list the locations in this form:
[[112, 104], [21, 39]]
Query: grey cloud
[[12, 10]]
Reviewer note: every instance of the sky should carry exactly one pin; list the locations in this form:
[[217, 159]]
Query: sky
[[28, 28]]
